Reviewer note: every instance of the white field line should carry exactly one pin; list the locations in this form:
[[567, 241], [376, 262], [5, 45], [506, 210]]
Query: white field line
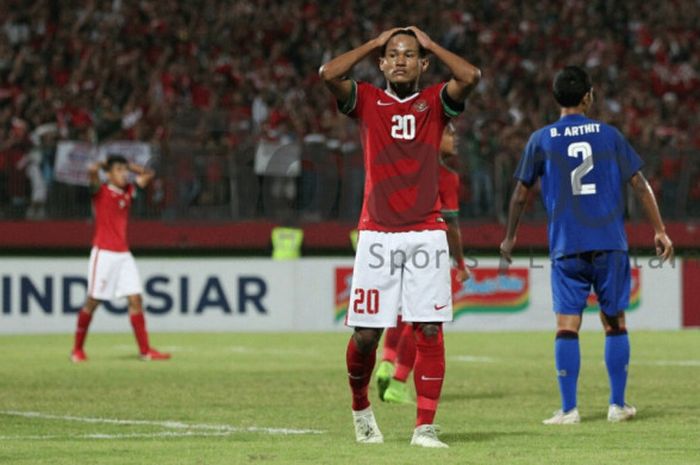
[[163, 424], [678, 363], [164, 434]]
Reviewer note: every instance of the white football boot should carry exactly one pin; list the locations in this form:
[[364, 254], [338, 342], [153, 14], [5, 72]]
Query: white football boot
[[564, 418], [624, 413], [366, 429], [426, 436]]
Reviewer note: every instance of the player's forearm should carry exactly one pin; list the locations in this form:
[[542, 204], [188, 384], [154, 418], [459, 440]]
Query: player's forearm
[[94, 173], [454, 241], [341, 65], [515, 209], [645, 194], [139, 169], [462, 71]]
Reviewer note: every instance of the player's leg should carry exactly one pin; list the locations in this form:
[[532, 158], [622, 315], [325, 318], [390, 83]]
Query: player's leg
[[81, 330], [570, 289], [385, 370], [397, 392], [360, 356], [129, 285], [427, 303], [613, 287], [102, 281], [567, 359], [373, 305], [138, 323]]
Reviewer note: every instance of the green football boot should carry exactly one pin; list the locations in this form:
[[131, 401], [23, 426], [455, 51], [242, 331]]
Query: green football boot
[[397, 393], [385, 371]]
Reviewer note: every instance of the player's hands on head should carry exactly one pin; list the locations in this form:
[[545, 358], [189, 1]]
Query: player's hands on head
[[664, 246], [423, 39], [384, 37]]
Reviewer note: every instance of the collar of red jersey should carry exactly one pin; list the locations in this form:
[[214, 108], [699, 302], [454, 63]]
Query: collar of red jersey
[[401, 100], [116, 189]]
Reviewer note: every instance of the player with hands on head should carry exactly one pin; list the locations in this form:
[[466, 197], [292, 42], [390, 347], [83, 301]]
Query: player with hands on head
[[112, 271], [401, 129]]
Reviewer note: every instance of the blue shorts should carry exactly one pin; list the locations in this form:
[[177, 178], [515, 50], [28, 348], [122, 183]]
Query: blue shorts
[[608, 271]]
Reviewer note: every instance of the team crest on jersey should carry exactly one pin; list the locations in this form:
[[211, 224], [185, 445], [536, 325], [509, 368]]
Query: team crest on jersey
[[420, 106]]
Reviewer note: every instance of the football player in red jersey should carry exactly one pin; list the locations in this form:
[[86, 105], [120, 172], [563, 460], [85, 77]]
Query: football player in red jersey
[[396, 366], [112, 271], [402, 251]]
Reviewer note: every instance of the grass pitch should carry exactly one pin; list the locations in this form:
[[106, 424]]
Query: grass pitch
[[223, 399]]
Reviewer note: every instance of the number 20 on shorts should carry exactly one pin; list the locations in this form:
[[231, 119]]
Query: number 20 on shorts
[[366, 301]]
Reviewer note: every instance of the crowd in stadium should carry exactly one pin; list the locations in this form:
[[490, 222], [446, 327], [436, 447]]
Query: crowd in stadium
[[206, 82]]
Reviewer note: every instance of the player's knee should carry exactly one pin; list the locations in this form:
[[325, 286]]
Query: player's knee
[[91, 305], [613, 323], [135, 303], [366, 340], [430, 331]]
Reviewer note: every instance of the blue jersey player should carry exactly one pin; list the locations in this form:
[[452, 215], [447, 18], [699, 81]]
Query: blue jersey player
[[583, 166]]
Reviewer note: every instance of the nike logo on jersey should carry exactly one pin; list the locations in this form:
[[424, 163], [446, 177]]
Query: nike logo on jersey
[[426, 378], [440, 307], [384, 104]]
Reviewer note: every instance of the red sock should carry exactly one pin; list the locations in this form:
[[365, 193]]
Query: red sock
[[138, 322], [84, 319], [405, 354], [360, 368], [428, 375], [391, 341]]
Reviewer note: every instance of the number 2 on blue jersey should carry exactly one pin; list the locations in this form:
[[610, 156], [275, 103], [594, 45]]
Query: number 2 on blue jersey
[[586, 151]]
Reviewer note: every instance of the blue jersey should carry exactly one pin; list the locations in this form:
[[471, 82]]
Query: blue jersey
[[583, 165]]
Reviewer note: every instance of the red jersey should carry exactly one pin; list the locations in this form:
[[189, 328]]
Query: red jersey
[[111, 206], [448, 186], [401, 144]]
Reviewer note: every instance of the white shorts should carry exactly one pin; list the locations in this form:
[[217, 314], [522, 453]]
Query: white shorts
[[112, 275], [407, 270]]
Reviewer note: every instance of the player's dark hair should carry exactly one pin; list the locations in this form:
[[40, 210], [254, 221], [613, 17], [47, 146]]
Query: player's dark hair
[[114, 160], [407, 32], [570, 85]]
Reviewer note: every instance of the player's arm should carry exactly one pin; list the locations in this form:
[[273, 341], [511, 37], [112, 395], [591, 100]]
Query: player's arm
[[143, 175], [515, 211], [334, 73], [94, 176], [643, 191], [454, 242], [465, 76]]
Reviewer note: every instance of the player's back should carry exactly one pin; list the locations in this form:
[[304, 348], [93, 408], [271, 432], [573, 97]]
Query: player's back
[[583, 165]]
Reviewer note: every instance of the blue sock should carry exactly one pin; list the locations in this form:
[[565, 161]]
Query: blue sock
[[567, 358], [617, 359]]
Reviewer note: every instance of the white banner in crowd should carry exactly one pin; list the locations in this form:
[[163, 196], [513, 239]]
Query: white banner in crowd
[[72, 161], [40, 295], [134, 151], [74, 157]]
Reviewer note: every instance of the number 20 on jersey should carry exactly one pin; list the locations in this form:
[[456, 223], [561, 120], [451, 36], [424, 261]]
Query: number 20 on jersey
[[366, 301], [403, 127]]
